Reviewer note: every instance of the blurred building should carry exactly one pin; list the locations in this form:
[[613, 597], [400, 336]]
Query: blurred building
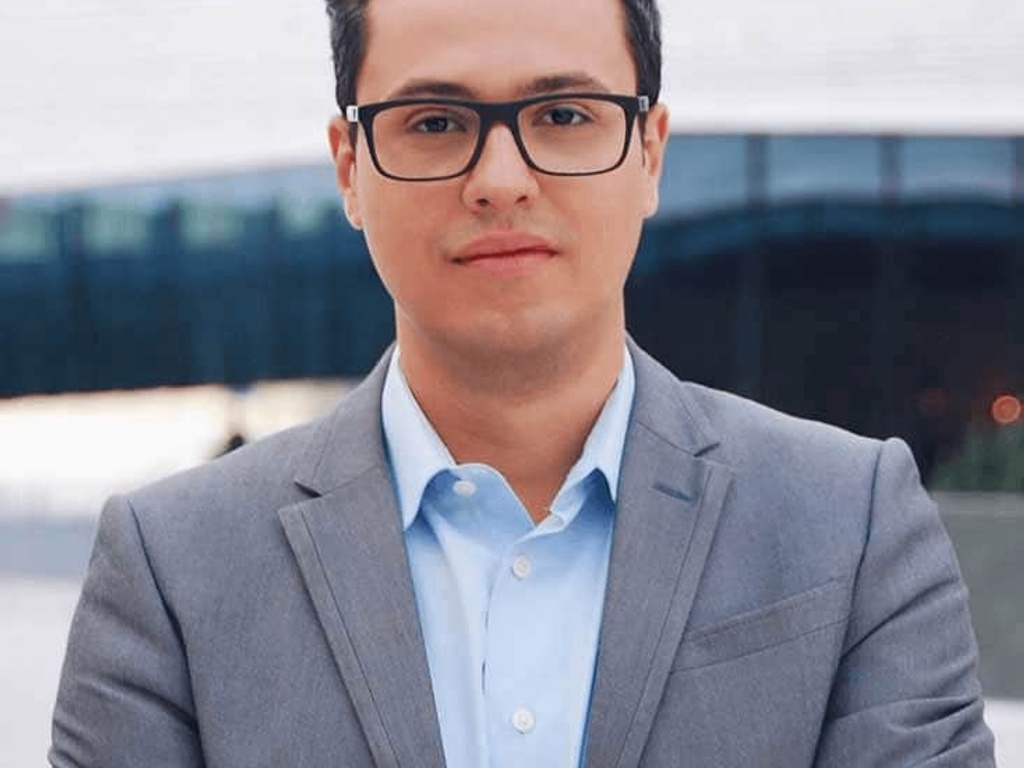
[[871, 281], [840, 232]]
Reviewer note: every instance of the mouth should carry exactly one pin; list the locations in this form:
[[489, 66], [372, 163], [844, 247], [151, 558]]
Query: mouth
[[505, 251], [519, 253]]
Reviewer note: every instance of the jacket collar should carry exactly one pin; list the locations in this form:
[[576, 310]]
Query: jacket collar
[[350, 440]]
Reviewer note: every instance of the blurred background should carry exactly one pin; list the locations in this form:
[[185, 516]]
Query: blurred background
[[841, 236]]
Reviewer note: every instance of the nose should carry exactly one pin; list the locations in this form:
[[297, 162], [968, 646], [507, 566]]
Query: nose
[[501, 179]]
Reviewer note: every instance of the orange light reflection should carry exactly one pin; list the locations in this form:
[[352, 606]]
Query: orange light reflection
[[1006, 410]]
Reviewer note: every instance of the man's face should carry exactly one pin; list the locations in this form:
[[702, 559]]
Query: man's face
[[568, 241]]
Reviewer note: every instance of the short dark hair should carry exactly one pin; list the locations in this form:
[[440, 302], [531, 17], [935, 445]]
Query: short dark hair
[[348, 45]]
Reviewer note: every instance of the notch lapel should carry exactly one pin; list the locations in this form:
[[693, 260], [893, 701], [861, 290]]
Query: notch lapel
[[350, 549], [669, 503]]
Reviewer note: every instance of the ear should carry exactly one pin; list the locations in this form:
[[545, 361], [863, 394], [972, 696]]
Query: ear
[[344, 155], [655, 138]]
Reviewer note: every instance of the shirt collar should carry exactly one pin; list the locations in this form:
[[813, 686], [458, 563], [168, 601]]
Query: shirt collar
[[602, 450], [417, 453], [414, 448]]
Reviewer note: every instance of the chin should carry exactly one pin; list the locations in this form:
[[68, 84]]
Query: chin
[[515, 337]]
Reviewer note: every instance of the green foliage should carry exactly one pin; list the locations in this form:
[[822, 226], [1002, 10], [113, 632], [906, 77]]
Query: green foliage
[[991, 460]]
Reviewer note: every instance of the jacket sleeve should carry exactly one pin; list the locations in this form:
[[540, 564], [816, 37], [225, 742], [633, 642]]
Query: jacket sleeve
[[906, 690], [124, 698]]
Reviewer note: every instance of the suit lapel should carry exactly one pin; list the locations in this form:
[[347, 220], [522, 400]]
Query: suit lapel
[[350, 549], [669, 502]]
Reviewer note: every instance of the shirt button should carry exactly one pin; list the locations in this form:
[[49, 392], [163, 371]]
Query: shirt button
[[522, 567], [465, 488], [523, 720], [556, 521]]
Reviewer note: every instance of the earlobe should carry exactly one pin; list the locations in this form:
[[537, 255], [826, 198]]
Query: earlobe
[[344, 156]]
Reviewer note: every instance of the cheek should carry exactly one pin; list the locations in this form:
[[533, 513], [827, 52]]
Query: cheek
[[397, 216], [402, 225], [613, 222]]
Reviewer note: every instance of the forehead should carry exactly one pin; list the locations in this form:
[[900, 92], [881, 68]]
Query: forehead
[[493, 48]]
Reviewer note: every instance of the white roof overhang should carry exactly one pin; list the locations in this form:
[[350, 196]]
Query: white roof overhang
[[94, 92]]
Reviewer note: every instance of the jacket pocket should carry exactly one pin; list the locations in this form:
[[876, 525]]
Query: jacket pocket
[[781, 622]]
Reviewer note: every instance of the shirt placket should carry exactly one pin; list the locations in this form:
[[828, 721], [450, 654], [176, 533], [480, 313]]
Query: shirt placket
[[524, 673]]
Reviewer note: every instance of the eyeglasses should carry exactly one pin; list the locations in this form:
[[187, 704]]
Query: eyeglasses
[[573, 134]]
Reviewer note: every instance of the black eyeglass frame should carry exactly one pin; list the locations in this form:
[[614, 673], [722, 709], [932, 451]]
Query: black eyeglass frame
[[490, 113]]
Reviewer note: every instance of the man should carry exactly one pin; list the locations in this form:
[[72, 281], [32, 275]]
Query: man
[[521, 542]]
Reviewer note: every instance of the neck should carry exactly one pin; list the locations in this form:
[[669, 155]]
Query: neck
[[526, 413]]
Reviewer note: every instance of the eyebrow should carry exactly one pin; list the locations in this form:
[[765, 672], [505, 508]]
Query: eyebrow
[[444, 89]]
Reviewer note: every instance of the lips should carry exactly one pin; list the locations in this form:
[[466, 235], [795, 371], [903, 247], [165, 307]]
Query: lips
[[498, 246]]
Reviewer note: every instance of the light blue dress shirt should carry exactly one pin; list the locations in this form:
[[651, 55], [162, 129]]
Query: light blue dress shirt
[[510, 610]]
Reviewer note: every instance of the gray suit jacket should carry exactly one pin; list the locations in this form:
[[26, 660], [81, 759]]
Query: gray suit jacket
[[780, 593]]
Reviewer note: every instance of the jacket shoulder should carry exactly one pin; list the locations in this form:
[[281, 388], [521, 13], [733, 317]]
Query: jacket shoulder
[[749, 434], [256, 477], [803, 494]]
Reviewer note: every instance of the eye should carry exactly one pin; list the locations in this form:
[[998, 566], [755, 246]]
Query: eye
[[436, 124], [564, 115]]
